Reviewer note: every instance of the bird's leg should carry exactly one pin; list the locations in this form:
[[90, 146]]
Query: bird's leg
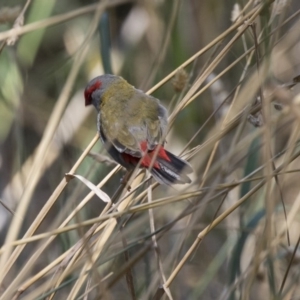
[[125, 179]]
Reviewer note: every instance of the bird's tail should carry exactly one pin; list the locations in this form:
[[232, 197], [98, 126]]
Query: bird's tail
[[173, 170]]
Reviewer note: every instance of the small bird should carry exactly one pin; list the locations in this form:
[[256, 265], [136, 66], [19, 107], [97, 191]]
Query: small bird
[[132, 127]]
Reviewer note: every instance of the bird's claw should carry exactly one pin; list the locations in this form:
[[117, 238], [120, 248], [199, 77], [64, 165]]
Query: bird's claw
[[124, 181]]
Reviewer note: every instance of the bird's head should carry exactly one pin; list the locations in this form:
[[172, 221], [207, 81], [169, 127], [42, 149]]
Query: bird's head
[[95, 89]]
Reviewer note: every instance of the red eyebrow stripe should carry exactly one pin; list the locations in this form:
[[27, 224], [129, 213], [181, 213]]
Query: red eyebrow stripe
[[91, 89]]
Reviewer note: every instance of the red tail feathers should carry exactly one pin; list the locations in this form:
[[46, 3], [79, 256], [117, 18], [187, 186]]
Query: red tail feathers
[[165, 167]]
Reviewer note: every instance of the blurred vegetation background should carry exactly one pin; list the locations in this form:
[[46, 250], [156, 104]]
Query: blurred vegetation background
[[239, 132]]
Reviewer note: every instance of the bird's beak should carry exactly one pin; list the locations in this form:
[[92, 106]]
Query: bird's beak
[[87, 102]]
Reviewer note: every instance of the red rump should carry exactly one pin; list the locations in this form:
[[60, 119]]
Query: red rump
[[147, 159], [88, 92]]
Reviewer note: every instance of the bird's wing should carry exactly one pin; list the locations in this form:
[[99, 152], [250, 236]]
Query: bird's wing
[[135, 127], [156, 127]]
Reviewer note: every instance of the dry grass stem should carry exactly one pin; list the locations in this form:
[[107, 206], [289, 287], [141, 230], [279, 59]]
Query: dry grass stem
[[73, 228]]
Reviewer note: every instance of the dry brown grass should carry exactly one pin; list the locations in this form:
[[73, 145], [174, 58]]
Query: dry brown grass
[[233, 233]]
